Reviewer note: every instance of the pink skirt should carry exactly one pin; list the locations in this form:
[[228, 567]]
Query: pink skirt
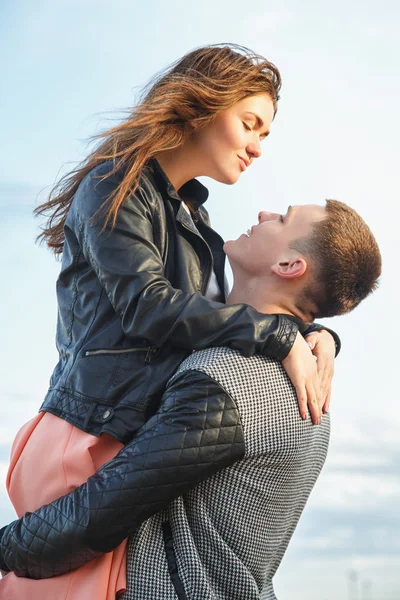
[[50, 458]]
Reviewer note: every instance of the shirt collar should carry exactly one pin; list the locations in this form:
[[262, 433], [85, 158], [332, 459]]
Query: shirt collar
[[192, 192]]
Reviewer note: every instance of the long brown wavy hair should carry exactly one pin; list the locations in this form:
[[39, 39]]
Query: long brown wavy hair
[[195, 89]]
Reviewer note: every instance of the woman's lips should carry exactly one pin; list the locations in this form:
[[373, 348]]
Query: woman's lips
[[242, 163]]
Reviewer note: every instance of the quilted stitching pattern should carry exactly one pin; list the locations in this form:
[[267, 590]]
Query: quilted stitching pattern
[[193, 435], [284, 339]]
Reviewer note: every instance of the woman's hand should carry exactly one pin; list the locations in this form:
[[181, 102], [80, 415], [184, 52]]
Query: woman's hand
[[323, 347], [301, 367]]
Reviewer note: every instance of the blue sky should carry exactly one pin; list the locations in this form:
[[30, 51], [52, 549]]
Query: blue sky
[[67, 68]]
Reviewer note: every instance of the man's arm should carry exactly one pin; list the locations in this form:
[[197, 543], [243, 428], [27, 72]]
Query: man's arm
[[196, 432]]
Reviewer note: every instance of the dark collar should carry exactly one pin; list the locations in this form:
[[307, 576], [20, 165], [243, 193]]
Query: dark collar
[[192, 192]]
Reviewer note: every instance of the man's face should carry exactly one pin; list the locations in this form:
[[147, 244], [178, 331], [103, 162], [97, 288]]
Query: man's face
[[268, 242]]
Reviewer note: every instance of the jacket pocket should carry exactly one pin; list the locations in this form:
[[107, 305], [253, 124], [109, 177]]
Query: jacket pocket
[[171, 561], [108, 375]]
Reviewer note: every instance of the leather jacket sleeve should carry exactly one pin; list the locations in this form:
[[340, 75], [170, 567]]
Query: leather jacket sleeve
[[196, 432], [130, 268]]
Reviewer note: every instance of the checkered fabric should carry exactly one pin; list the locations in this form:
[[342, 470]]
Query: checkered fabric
[[225, 539]]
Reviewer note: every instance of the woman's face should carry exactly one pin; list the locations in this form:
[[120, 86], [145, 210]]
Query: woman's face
[[229, 145]]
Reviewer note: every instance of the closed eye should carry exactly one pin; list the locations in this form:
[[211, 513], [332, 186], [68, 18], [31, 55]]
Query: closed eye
[[247, 128], [281, 218]]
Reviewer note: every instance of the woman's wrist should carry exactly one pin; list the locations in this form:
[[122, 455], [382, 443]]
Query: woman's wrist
[[317, 327]]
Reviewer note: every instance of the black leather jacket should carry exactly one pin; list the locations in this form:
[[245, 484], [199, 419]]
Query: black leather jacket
[[130, 303], [123, 329]]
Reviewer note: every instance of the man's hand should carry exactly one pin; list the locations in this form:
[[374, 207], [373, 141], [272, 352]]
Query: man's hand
[[301, 367], [323, 348]]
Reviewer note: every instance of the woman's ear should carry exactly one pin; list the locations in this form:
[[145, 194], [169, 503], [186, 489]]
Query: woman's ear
[[191, 126], [291, 269]]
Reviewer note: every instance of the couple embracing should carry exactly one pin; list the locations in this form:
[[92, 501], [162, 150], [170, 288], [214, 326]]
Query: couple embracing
[[184, 426]]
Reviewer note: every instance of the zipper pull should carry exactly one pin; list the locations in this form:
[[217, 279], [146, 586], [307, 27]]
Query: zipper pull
[[151, 352]]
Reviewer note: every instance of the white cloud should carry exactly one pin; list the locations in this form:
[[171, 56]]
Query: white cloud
[[358, 492], [357, 461], [331, 541], [327, 577]]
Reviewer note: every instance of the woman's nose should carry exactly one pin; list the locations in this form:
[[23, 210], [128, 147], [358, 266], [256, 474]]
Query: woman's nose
[[254, 149]]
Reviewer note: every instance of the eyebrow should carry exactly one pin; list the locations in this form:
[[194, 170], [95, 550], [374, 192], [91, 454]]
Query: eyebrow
[[260, 122]]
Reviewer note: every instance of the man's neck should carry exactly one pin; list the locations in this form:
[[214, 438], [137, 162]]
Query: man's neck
[[265, 299]]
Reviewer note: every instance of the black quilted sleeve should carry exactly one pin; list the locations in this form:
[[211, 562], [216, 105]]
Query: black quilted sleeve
[[196, 432]]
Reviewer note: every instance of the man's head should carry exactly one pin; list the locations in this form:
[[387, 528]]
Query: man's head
[[325, 259]]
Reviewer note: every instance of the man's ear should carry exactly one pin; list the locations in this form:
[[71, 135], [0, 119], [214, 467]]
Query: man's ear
[[291, 269]]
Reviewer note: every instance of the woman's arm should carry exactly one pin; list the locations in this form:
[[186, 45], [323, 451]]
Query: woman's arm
[[129, 266]]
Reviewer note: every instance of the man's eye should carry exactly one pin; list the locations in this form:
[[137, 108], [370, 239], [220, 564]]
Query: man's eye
[[247, 128], [281, 218]]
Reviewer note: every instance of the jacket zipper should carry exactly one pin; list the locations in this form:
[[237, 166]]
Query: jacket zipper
[[150, 352]]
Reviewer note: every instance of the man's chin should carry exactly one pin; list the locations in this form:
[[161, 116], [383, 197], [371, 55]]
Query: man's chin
[[229, 245]]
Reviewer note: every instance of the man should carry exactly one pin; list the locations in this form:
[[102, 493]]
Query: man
[[225, 538]]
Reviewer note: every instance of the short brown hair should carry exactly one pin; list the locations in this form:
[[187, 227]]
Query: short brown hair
[[346, 262]]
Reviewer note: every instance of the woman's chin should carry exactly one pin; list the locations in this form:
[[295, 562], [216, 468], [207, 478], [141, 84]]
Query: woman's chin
[[230, 178]]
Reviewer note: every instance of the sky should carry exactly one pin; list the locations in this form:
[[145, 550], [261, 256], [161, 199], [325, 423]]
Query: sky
[[67, 70]]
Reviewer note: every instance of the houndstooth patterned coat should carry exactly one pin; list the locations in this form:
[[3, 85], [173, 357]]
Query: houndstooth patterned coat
[[225, 539]]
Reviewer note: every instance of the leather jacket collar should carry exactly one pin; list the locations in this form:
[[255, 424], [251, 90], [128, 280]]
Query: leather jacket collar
[[193, 192]]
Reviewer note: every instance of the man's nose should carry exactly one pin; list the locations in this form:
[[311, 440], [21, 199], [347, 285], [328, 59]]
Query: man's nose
[[267, 216]]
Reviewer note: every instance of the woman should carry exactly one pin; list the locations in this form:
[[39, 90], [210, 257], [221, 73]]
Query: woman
[[141, 285]]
